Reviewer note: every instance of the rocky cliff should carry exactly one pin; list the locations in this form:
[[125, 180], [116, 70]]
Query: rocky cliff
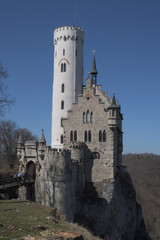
[[109, 209]]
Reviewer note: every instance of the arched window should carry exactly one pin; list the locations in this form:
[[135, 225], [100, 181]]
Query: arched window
[[61, 138], [113, 112], [62, 104], [85, 136], [75, 136], [62, 88], [100, 136], [89, 136], [71, 136], [91, 117], [84, 117], [64, 70], [104, 136], [88, 116]]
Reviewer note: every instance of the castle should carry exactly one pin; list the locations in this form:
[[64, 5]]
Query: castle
[[87, 137]]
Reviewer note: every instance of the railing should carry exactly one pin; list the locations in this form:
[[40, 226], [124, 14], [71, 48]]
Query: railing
[[14, 181]]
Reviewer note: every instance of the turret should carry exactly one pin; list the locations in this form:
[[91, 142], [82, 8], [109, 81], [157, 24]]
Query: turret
[[20, 147], [42, 145], [113, 113], [94, 72]]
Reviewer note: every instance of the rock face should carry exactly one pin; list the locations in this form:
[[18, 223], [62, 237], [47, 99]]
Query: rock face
[[109, 209]]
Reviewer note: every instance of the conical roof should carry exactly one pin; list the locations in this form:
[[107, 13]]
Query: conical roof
[[114, 104], [94, 69], [42, 139], [20, 140]]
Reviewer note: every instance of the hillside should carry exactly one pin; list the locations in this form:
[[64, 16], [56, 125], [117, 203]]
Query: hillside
[[145, 173]]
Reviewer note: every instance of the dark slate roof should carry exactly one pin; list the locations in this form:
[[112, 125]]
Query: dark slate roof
[[94, 70]]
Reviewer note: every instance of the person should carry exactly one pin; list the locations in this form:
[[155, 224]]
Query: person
[[19, 175]]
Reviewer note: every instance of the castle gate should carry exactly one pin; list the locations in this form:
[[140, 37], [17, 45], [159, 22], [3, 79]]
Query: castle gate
[[30, 183]]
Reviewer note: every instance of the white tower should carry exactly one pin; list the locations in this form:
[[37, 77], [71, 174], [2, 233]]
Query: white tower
[[68, 76]]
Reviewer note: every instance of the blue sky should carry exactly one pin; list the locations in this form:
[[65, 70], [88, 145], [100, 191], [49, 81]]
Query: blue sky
[[126, 37]]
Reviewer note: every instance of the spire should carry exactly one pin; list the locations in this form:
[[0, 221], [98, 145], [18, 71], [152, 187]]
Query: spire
[[113, 99], [20, 140], [94, 70], [42, 139]]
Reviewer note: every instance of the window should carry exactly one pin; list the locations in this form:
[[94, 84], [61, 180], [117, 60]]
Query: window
[[85, 136], [84, 117], [75, 136], [113, 111], [104, 136], [100, 136], [64, 69], [63, 52], [62, 88], [89, 136], [71, 136], [91, 117], [61, 138], [88, 116], [95, 155], [62, 104]]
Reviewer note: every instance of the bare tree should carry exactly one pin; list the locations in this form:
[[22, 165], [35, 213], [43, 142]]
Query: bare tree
[[9, 134], [4, 98]]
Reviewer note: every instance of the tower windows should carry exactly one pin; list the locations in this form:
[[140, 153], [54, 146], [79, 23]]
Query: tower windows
[[61, 138], [100, 136], [84, 117], [88, 116], [87, 136], [75, 136], [91, 117], [71, 136], [62, 88], [62, 104], [104, 136], [63, 67], [63, 52]]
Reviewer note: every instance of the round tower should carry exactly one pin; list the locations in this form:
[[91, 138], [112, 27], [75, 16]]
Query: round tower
[[68, 76]]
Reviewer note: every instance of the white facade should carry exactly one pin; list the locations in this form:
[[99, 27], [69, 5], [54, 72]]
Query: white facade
[[68, 76]]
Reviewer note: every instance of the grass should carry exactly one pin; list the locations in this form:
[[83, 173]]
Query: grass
[[20, 219]]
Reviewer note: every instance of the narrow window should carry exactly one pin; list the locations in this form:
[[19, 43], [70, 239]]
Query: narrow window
[[63, 52], [113, 112], [104, 136], [62, 104], [61, 138], [100, 136], [88, 116], [75, 136], [110, 113], [84, 117], [89, 136], [62, 88], [91, 117], [64, 69], [71, 136], [85, 136]]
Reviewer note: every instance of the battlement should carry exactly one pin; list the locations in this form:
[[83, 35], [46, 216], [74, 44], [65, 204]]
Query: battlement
[[68, 28], [68, 33], [58, 152], [75, 145]]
